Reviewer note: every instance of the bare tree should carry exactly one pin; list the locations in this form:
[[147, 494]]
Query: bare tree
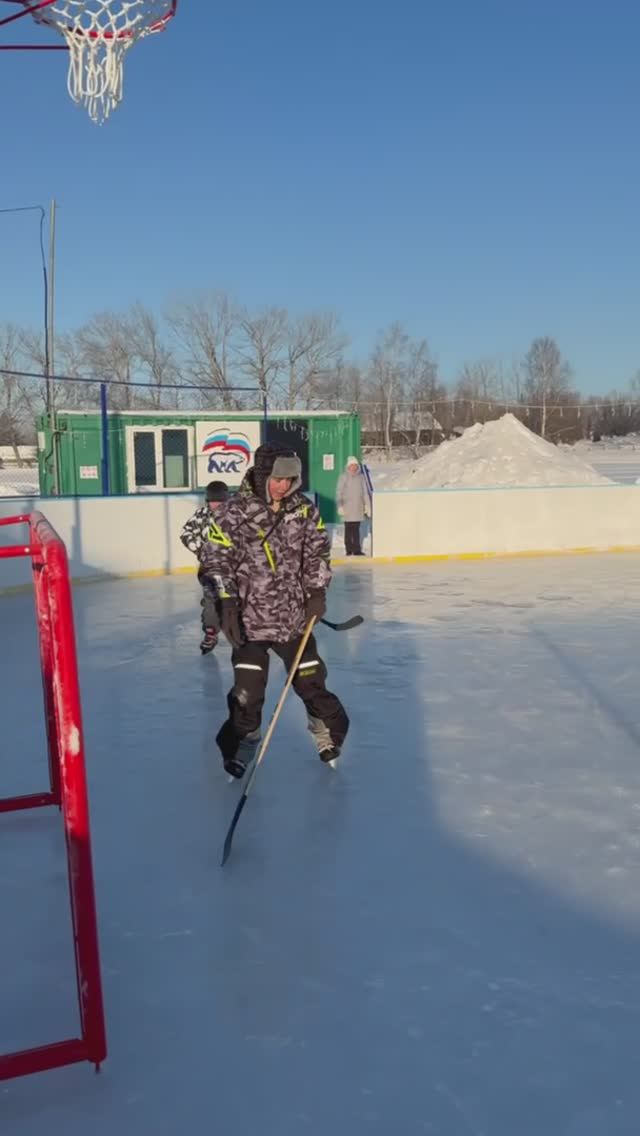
[[206, 329], [16, 419], [314, 348], [105, 350], [388, 373], [477, 392], [155, 361], [423, 391], [34, 359], [80, 395], [547, 377], [64, 393], [261, 353]]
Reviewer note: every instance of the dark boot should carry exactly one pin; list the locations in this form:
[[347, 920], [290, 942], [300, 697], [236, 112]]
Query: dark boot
[[330, 756]]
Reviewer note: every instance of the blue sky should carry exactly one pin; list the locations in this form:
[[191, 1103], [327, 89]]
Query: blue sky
[[469, 168]]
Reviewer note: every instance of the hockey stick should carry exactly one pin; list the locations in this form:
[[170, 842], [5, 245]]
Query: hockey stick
[[355, 621], [267, 738]]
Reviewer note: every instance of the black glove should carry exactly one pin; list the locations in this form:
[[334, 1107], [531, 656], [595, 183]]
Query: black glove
[[316, 604], [230, 620]]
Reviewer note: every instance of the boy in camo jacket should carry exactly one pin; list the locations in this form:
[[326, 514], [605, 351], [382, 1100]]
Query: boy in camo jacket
[[268, 554], [194, 536]]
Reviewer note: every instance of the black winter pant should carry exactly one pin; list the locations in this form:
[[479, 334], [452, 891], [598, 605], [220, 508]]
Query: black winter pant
[[246, 698], [352, 538], [210, 604]]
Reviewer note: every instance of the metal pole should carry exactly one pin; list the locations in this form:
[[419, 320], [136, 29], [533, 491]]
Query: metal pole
[[48, 310], [52, 279], [51, 346], [266, 419], [105, 439]]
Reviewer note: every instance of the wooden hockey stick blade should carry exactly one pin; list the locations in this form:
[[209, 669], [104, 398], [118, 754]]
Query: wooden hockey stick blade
[[355, 621]]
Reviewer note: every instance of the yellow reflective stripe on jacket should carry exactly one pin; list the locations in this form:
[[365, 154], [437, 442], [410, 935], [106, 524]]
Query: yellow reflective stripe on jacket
[[269, 556], [216, 536], [267, 550], [320, 525]]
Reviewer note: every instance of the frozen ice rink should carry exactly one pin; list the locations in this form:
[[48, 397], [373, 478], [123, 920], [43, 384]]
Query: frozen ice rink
[[441, 937]]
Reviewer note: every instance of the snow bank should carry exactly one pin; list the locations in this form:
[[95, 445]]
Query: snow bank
[[500, 453]]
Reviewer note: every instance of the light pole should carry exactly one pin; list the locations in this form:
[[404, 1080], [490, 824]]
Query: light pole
[[48, 313]]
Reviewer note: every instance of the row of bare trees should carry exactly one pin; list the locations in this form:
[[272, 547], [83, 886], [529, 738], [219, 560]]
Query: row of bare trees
[[212, 353]]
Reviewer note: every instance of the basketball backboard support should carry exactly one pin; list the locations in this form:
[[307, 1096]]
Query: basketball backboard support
[[97, 35]]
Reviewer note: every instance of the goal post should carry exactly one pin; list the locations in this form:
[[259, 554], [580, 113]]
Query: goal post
[[67, 789]]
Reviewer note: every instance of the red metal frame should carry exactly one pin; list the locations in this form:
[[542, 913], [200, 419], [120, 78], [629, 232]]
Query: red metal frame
[[67, 790], [29, 8]]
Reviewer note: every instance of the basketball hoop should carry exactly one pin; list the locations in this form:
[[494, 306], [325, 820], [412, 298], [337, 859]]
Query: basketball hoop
[[98, 34]]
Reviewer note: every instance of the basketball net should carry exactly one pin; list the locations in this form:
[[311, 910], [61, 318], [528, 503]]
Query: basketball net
[[98, 34]]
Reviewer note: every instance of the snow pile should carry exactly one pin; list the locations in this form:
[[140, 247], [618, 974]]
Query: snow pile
[[500, 453]]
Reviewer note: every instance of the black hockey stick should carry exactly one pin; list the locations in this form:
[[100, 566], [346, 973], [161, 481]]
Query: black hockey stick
[[355, 621], [267, 738]]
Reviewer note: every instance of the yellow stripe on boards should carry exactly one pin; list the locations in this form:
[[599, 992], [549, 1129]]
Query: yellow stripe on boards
[[522, 554]]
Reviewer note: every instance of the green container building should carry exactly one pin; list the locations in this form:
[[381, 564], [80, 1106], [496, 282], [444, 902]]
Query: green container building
[[180, 452]]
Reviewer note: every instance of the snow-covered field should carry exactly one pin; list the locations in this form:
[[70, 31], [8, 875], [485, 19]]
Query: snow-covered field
[[440, 937], [19, 483]]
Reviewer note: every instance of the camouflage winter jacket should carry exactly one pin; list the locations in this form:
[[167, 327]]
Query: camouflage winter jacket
[[195, 531], [270, 562]]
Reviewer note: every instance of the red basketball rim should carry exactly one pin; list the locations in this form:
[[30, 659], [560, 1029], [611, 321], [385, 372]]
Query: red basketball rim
[[30, 9]]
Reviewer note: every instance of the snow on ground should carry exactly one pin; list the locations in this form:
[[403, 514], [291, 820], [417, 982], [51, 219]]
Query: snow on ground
[[441, 937], [502, 452], [612, 442], [19, 483], [617, 458]]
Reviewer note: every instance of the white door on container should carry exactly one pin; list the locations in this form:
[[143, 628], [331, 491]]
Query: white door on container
[[159, 459]]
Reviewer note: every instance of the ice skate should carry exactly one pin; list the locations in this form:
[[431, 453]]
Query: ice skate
[[329, 756], [235, 769], [237, 766], [327, 751]]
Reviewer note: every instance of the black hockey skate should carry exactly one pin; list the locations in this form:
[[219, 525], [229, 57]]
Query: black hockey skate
[[237, 765], [330, 755]]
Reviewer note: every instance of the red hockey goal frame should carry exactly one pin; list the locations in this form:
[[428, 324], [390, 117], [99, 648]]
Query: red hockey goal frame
[[67, 790]]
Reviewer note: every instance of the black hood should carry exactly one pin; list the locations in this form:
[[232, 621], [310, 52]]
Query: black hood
[[274, 461]]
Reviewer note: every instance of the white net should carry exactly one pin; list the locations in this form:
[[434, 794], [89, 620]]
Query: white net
[[98, 34]]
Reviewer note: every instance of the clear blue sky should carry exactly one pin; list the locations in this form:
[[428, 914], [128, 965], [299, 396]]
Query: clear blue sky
[[470, 167]]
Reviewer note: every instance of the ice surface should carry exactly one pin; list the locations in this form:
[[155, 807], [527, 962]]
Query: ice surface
[[442, 936]]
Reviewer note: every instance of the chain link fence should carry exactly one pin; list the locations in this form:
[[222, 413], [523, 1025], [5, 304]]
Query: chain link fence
[[150, 427], [102, 429]]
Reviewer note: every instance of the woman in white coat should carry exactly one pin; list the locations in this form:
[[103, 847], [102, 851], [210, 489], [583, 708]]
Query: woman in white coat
[[353, 505]]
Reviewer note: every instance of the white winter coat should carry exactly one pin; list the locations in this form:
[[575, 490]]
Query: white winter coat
[[352, 496]]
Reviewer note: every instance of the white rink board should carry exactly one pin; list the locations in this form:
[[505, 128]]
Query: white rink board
[[454, 522], [123, 536], [108, 536]]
